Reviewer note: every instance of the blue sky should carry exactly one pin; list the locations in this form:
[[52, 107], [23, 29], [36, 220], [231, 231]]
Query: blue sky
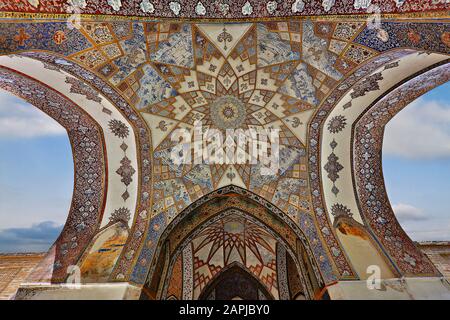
[[416, 165], [36, 177], [36, 171]]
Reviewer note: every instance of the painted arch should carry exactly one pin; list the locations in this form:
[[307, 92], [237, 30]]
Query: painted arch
[[250, 232], [318, 81]]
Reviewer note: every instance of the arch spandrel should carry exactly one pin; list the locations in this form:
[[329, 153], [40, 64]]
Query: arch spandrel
[[283, 74]]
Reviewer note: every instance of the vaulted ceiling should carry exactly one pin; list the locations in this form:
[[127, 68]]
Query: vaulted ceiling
[[141, 80]]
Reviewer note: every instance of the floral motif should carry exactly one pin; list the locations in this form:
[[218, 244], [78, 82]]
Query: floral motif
[[225, 37], [247, 9], [120, 215], [224, 8], [339, 210], [231, 175], [200, 9], [362, 4], [369, 84], [271, 6], [391, 65], [175, 7], [327, 4], [78, 3], [337, 124], [413, 36], [118, 128], [79, 87], [228, 112], [295, 122], [298, 6], [332, 167], [162, 125], [115, 4], [126, 171], [147, 6]]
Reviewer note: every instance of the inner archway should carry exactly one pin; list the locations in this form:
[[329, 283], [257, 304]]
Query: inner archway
[[227, 231], [235, 283]]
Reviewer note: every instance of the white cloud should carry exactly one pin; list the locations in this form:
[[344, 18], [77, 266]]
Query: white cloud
[[406, 212], [433, 230], [421, 226], [18, 119], [37, 238], [420, 131]]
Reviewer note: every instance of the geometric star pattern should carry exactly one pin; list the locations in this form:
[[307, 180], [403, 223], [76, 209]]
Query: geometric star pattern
[[255, 76], [234, 239]]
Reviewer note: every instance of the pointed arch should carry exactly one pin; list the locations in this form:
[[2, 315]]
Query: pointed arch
[[125, 158], [333, 163], [86, 138], [219, 205], [235, 281]]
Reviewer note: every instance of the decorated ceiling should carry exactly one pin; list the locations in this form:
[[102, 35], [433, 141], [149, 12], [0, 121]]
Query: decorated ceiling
[[221, 233], [233, 239], [122, 80], [269, 75]]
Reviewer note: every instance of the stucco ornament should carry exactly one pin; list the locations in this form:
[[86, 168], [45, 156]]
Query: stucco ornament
[[200, 9], [115, 4], [327, 4], [361, 4], [78, 3], [271, 6], [247, 9], [147, 6], [175, 7], [34, 3], [298, 6]]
